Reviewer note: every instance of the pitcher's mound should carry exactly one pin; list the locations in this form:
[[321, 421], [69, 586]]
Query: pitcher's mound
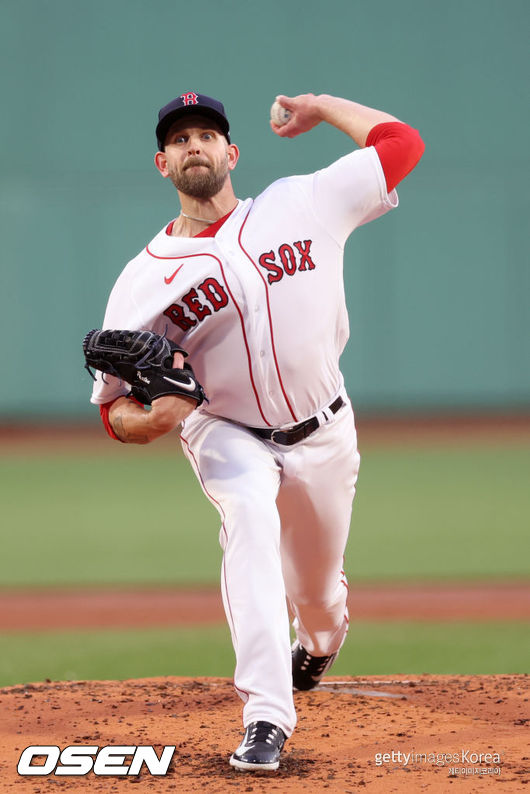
[[380, 734]]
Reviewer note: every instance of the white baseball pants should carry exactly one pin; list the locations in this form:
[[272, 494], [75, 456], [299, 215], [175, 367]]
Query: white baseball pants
[[285, 515]]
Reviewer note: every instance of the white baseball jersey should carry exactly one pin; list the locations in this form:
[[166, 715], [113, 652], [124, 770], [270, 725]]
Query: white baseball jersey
[[260, 307]]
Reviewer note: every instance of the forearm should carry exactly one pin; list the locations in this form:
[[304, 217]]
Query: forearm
[[308, 110], [134, 425], [350, 117], [398, 146]]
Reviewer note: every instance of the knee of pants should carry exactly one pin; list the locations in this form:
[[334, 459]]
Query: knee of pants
[[250, 519], [317, 600]]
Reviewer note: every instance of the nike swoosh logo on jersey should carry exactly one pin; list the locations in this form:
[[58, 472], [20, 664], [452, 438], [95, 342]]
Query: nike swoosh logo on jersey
[[169, 279], [189, 386]]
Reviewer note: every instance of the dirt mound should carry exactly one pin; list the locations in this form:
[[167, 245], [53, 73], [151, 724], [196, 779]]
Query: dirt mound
[[426, 733]]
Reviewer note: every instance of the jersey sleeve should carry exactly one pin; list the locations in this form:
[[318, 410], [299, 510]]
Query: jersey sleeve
[[350, 192], [121, 312]]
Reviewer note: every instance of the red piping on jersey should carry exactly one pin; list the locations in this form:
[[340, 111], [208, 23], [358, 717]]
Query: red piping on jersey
[[186, 256], [246, 345], [399, 148], [249, 358], [223, 526], [270, 317], [169, 279]]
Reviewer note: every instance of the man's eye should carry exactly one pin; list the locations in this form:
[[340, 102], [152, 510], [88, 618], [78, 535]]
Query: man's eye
[[208, 136], [180, 139]]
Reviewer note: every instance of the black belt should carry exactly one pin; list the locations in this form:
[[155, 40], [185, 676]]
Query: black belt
[[297, 433]]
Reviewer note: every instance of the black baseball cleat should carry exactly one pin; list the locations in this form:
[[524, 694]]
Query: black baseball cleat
[[260, 748], [308, 670]]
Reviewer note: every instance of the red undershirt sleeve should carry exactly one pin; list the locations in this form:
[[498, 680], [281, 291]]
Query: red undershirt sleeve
[[399, 148], [104, 413]]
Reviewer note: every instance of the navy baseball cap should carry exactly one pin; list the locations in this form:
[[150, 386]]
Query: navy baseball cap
[[190, 102]]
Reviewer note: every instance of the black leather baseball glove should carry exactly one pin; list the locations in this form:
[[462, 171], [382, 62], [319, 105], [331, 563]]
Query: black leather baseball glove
[[144, 360]]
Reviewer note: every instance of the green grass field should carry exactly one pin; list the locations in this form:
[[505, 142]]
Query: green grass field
[[370, 649], [420, 514], [141, 518]]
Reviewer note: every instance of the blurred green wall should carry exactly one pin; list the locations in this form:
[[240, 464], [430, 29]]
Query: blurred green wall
[[438, 291]]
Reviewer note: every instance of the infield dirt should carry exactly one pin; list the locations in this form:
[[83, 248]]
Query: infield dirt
[[342, 727]]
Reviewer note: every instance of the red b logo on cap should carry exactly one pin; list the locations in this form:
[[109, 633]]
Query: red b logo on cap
[[190, 98]]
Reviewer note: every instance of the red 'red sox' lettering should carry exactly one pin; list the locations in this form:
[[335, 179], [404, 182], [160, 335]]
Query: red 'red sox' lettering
[[191, 299], [213, 292], [292, 258]]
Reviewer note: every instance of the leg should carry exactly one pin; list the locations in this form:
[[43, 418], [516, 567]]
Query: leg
[[315, 501], [240, 476]]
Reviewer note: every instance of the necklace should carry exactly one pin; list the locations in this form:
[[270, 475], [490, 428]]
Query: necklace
[[191, 218]]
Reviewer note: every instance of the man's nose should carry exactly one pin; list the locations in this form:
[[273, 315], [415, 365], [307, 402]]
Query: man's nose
[[194, 145]]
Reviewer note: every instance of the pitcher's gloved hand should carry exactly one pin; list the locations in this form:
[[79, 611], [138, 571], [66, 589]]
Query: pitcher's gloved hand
[[144, 360]]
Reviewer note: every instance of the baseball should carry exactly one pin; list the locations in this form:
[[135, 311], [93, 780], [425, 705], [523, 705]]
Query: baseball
[[279, 114]]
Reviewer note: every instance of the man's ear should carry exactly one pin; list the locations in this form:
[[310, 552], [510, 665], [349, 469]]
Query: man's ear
[[161, 163], [233, 156]]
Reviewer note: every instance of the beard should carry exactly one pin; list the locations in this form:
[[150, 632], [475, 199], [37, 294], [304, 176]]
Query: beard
[[203, 184]]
